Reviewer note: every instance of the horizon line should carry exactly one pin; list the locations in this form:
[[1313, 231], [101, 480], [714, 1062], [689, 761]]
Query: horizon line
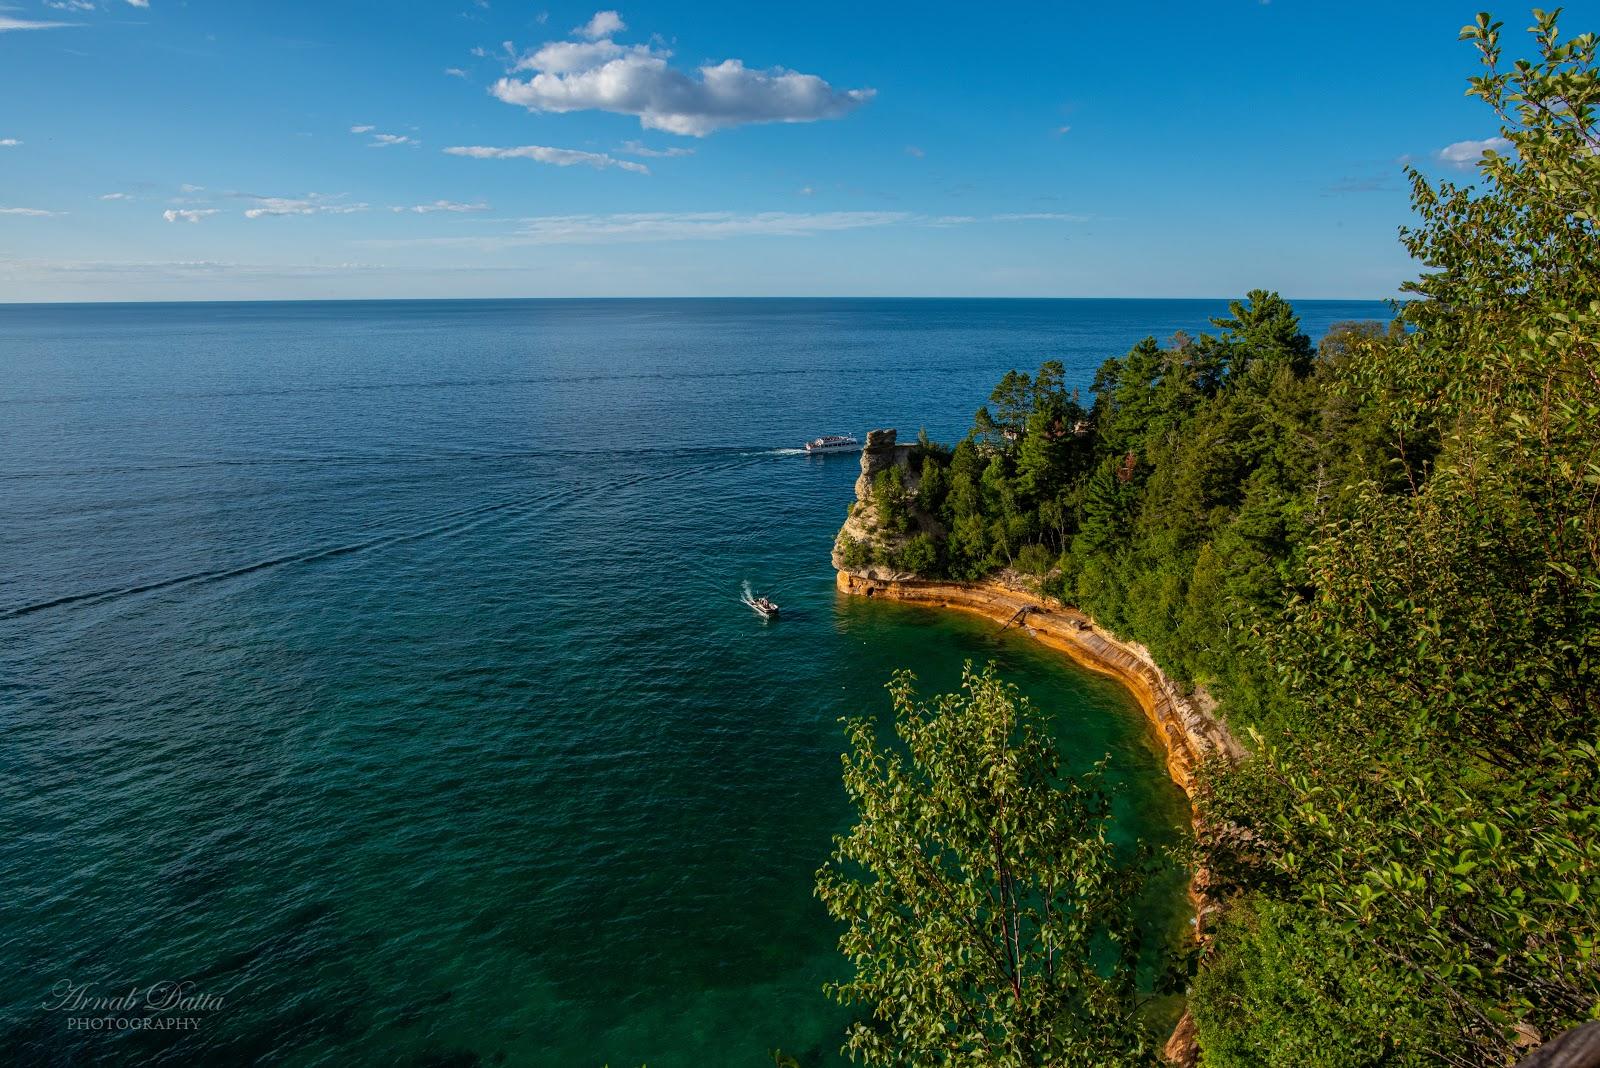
[[480, 300]]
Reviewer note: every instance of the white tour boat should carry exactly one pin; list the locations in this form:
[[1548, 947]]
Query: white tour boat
[[834, 443]]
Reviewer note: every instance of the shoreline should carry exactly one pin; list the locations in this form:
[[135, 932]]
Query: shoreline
[[1189, 731]]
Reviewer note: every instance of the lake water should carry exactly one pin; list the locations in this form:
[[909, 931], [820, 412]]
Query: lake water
[[379, 667]]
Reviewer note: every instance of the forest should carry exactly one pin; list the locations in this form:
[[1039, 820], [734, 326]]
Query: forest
[[1380, 554]]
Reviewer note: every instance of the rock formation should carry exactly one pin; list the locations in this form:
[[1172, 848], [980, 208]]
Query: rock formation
[[867, 525]]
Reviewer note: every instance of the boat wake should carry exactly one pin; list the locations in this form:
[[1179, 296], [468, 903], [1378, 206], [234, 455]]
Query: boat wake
[[418, 528]]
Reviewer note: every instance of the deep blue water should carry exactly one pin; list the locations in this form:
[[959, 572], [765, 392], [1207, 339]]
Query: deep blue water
[[378, 668]]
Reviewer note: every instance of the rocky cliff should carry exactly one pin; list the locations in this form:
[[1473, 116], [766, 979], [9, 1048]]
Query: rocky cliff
[[884, 517]]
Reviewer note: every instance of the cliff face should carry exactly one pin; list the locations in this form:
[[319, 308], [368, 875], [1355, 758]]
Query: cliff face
[[870, 528]]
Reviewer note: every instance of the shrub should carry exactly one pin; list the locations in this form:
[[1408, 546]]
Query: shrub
[[853, 552], [920, 555]]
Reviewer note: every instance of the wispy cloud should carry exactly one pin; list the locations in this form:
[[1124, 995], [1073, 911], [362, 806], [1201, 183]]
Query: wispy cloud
[[37, 213], [915, 152], [638, 227], [597, 74], [382, 140], [138, 3], [455, 72], [635, 148], [642, 227], [441, 205], [116, 196], [560, 157], [183, 270], [668, 226], [603, 24], [9, 142], [1039, 216], [8, 24], [70, 5], [1463, 154], [188, 215], [310, 204]]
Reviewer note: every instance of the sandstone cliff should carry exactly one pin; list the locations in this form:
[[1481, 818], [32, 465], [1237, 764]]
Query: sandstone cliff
[[876, 532]]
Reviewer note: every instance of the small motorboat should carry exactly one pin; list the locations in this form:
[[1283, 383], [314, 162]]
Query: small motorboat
[[833, 443], [764, 607]]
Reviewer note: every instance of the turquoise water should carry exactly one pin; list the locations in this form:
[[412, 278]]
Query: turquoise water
[[378, 668]]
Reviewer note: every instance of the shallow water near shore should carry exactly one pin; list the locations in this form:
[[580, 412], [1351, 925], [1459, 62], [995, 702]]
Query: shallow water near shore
[[381, 667]]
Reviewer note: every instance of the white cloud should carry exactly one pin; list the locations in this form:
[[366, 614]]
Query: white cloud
[[913, 150], [635, 148], [187, 188], [9, 142], [116, 196], [310, 204], [601, 75], [455, 72], [1464, 154], [559, 57], [7, 24], [383, 140], [604, 24], [442, 205], [951, 220], [37, 213], [139, 3], [806, 191], [70, 5], [188, 215], [560, 157], [1062, 131]]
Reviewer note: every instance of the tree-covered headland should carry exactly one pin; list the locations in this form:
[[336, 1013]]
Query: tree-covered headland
[[1381, 554]]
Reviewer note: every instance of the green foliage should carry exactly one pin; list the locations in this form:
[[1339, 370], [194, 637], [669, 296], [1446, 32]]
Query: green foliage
[[854, 553], [1281, 990], [1427, 812], [1382, 556], [920, 555], [889, 495], [987, 915]]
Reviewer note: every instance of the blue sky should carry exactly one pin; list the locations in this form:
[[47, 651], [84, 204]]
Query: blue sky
[[170, 151]]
